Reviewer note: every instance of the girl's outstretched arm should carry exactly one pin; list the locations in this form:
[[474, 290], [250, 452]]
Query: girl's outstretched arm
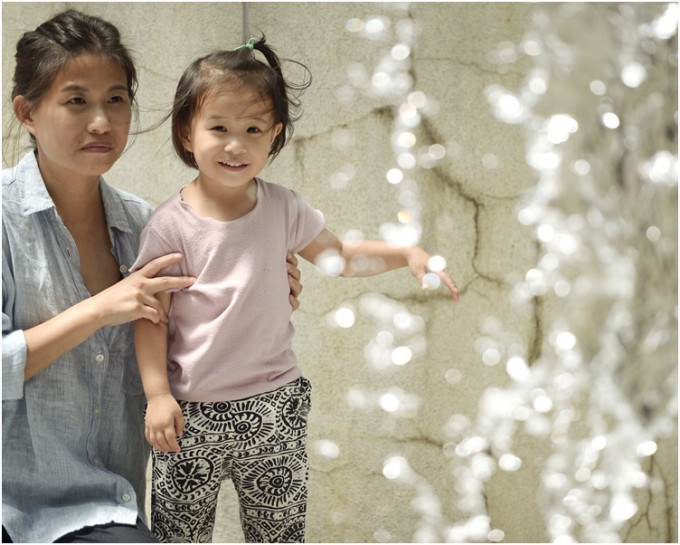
[[370, 257]]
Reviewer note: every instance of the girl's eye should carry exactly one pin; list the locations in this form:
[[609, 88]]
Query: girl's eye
[[219, 128], [254, 130]]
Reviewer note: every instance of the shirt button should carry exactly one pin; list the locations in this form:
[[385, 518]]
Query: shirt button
[[99, 358], [123, 269], [97, 461], [127, 497], [96, 410]]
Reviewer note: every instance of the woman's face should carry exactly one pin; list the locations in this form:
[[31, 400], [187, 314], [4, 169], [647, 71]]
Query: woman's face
[[82, 123]]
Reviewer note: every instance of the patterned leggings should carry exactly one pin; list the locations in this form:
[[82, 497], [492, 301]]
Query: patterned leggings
[[260, 444]]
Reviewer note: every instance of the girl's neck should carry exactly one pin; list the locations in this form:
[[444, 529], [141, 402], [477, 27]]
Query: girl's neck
[[220, 203]]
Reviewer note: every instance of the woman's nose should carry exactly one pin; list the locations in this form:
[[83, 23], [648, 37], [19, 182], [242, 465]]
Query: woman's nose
[[99, 124]]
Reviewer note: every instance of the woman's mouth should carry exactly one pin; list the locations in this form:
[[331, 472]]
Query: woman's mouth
[[97, 147]]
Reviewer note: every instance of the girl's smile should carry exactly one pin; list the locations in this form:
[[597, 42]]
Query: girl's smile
[[233, 166]]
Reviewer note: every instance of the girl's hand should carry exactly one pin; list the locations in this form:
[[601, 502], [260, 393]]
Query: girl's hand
[[134, 297], [293, 280], [417, 261], [163, 423]]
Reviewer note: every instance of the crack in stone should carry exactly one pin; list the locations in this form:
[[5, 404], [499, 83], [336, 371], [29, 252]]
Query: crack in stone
[[300, 141]]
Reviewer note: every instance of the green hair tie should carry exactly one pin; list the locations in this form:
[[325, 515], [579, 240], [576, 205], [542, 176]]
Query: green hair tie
[[250, 45]]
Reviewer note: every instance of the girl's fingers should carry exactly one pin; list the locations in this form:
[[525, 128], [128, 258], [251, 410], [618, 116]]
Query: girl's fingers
[[449, 283]]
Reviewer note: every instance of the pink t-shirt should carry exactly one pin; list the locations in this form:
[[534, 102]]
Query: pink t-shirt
[[229, 334]]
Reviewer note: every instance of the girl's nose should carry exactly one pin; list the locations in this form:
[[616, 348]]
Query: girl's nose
[[235, 145]]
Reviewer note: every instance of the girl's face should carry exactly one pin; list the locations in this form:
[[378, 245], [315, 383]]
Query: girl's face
[[81, 124], [231, 136]]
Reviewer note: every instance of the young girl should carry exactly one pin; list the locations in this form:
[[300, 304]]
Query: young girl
[[221, 374]]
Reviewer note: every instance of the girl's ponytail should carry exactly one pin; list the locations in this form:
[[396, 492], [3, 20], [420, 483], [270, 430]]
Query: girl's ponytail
[[284, 93]]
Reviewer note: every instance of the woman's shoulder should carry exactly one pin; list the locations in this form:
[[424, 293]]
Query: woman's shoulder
[[131, 200], [124, 204]]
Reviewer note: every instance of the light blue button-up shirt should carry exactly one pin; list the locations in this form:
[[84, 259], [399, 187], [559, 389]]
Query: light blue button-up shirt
[[73, 447]]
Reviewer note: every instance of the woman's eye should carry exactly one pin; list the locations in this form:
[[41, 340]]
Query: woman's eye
[[76, 100], [117, 99]]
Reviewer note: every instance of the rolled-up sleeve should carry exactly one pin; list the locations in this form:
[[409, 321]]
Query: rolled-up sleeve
[[13, 362], [14, 348]]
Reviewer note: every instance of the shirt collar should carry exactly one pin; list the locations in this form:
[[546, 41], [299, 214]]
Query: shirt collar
[[116, 211], [36, 198]]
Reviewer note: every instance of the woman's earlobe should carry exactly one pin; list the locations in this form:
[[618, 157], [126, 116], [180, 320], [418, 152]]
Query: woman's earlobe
[[22, 111]]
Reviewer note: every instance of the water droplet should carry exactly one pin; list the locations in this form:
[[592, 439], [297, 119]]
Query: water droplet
[[509, 462], [327, 448], [395, 176], [401, 355], [647, 448], [355, 25], [436, 151], [611, 120], [396, 467], [598, 87], [565, 340], [344, 317], [400, 52], [633, 74], [436, 263], [431, 281]]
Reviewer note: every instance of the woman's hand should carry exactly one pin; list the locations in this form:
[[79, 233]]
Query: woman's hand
[[163, 423], [134, 297], [293, 280]]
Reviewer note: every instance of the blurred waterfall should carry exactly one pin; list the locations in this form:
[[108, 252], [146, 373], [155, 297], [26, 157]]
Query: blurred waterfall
[[598, 111]]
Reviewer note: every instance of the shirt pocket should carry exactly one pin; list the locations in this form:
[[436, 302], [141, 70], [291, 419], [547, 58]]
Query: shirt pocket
[[122, 354]]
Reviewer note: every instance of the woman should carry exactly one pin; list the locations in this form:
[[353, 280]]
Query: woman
[[74, 454]]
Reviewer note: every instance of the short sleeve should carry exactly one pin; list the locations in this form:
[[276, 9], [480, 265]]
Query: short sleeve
[[307, 223], [151, 246]]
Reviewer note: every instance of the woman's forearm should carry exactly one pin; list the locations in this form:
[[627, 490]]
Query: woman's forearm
[[48, 341]]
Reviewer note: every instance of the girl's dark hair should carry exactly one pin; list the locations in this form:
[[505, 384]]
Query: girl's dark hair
[[240, 65], [43, 52]]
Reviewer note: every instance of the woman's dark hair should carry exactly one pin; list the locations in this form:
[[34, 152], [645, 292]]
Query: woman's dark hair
[[240, 65], [43, 52]]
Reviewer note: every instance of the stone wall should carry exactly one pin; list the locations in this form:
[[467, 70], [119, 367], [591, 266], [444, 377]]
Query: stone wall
[[394, 391]]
